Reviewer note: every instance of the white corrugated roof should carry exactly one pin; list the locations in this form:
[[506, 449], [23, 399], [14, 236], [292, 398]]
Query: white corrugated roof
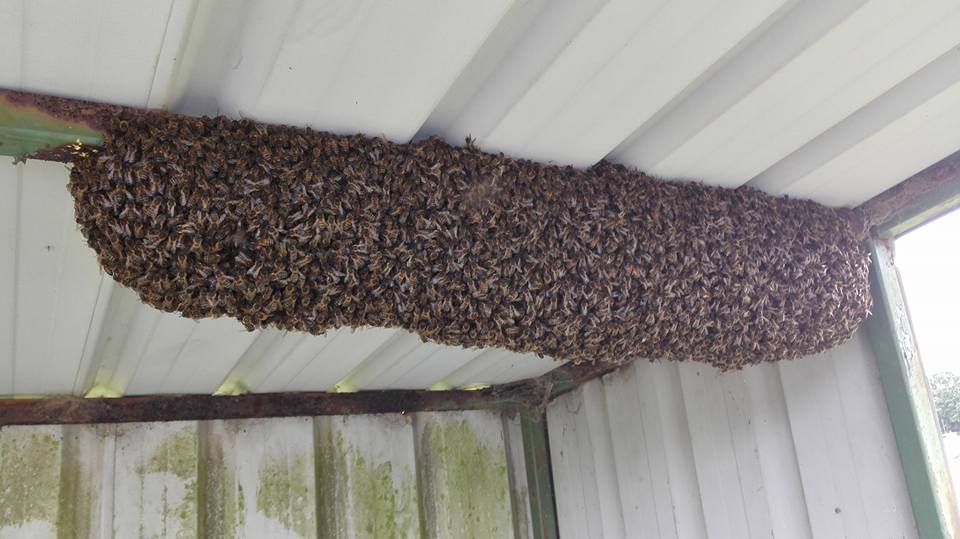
[[834, 100]]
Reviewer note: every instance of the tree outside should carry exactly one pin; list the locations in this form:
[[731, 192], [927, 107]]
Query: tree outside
[[945, 387]]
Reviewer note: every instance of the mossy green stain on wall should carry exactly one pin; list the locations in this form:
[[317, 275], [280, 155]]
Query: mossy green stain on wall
[[177, 455], [381, 508], [29, 477], [283, 493], [361, 498], [79, 486], [465, 482], [218, 497]]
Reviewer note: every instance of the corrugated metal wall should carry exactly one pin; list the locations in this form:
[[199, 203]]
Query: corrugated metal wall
[[453, 474], [798, 449]]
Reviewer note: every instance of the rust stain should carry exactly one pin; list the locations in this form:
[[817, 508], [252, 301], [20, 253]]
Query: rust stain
[[71, 410]]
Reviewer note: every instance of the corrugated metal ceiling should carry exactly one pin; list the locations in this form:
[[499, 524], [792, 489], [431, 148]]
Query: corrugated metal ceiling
[[835, 100]]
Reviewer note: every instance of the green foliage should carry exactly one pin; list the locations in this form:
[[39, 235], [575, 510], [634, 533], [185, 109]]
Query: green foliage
[[945, 387]]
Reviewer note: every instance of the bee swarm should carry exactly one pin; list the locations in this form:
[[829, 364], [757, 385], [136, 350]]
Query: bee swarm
[[306, 231]]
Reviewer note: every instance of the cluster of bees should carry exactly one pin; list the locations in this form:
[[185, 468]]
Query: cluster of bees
[[306, 231]]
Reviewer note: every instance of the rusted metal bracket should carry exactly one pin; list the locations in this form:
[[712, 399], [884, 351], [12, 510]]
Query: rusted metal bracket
[[50, 128], [72, 410], [919, 199]]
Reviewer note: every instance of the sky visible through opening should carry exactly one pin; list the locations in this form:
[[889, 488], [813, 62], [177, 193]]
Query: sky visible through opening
[[929, 262]]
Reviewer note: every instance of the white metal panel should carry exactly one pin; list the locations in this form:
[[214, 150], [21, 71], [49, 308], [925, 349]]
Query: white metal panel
[[581, 108], [463, 471], [572, 460], [767, 416], [759, 58], [926, 134], [811, 456], [264, 477], [58, 292], [207, 356], [833, 444], [30, 467], [900, 100], [873, 49], [530, 36], [305, 348], [368, 477], [10, 182], [155, 484], [113, 48], [371, 67], [340, 356], [495, 366], [656, 475]]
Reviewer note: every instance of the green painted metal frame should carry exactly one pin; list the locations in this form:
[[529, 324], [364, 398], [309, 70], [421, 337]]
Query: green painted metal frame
[[543, 509], [917, 200], [31, 128], [909, 405]]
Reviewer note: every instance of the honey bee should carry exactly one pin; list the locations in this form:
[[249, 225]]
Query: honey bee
[[304, 230]]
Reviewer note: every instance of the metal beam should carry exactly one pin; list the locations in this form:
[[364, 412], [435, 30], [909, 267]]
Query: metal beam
[[919, 199], [909, 405], [50, 128], [543, 508], [71, 410]]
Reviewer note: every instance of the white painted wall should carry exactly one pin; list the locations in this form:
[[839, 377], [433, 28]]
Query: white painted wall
[[798, 449]]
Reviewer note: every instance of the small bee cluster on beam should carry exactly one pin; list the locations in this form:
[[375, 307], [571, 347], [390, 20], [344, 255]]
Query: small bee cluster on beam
[[307, 231]]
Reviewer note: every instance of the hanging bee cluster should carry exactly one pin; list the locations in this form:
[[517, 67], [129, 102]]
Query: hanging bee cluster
[[300, 230]]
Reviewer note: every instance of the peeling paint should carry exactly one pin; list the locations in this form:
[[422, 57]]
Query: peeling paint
[[378, 505], [29, 477], [284, 495], [466, 483]]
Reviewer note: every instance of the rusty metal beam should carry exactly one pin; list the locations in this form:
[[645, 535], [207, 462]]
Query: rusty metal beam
[[74, 410], [50, 128], [919, 199], [568, 377]]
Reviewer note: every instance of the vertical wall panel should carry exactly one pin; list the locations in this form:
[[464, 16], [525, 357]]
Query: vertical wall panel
[[516, 467], [445, 474], [367, 484], [463, 475], [29, 479], [155, 481], [657, 480], [799, 449], [11, 178], [260, 476], [571, 455]]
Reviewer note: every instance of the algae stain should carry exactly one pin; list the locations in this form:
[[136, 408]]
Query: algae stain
[[218, 498], [381, 508], [377, 505], [79, 494], [283, 494], [177, 455], [468, 491], [29, 477]]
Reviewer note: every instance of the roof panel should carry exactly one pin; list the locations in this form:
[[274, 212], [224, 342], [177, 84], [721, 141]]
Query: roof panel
[[835, 100]]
